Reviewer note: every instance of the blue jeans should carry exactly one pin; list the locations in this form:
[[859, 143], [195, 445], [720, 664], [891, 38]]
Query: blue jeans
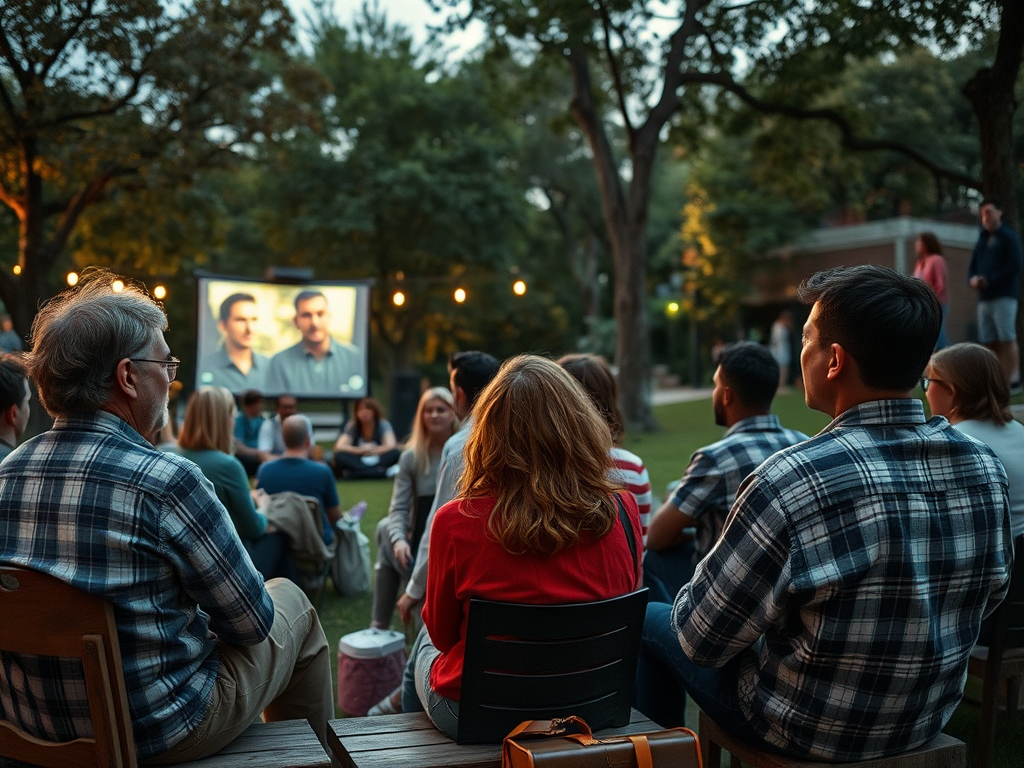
[[667, 570], [665, 674], [417, 695]]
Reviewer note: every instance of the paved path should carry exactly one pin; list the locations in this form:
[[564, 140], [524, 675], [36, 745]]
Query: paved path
[[679, 395]]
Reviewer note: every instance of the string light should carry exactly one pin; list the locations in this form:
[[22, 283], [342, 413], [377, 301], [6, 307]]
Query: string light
[[72, 278], [117, 286], [398, 299], [160, 293], [17, 269], [519, 287], [459, 295]]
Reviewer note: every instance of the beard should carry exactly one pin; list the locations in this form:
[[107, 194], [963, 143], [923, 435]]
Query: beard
[[719, 415]]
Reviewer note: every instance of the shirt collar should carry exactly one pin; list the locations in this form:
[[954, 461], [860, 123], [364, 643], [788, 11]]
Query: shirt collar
[[100, 421], [764, 423], [879, 413]]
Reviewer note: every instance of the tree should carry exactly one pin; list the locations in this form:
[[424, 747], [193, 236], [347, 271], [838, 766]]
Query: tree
[[96, 96]]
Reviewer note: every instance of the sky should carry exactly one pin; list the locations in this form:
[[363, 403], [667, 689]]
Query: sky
[[413, 14]]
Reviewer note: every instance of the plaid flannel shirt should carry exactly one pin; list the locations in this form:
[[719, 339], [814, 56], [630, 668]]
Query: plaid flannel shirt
[[709, 484], [850, 583], [92, 503]]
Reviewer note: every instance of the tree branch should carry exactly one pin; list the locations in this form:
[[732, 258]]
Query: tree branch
[[89, 194], [72, 32], [850, 138], [11, 201], [613, 65]]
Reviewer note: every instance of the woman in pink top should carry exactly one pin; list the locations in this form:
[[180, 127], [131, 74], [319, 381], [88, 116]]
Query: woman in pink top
[[536, 522], [931, 268]]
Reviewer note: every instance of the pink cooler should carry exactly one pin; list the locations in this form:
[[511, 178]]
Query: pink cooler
[[370, 666]]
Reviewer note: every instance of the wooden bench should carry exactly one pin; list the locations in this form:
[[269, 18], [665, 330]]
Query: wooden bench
[[412, 741], [285, 744]]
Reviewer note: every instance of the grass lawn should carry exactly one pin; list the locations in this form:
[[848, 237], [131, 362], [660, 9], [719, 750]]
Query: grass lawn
[[684, 428]]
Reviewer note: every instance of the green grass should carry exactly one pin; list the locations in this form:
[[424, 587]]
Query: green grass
[[685, 427]]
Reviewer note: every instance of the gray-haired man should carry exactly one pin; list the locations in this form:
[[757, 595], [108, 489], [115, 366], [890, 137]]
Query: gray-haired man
[[206, 646]]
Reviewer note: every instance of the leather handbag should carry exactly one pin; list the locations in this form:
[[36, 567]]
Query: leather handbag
[[568, 743]]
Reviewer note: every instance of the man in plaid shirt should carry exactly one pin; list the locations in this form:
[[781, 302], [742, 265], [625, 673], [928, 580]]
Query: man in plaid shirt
[[205, 645], [836, 615], [745, 383]]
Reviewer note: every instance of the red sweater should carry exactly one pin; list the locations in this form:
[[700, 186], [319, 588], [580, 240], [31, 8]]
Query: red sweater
[[466, 562]]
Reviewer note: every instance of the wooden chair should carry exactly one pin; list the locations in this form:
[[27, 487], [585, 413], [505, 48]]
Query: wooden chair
[[941, 752], [1002, 660], [46, 617], [526, 662]]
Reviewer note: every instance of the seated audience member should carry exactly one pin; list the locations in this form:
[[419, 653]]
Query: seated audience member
[[399, 533], [367, 447], [628, 470], [248, 422], [537, 522], [965, 383], [296, 472], [206, 646], [205, 439], [10, 341], [746, 380], [14, 402], [270, 443], [469, 372], [835, 617]]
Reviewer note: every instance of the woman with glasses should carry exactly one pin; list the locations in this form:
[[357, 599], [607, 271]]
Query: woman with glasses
[[206, 439], [965, 383]]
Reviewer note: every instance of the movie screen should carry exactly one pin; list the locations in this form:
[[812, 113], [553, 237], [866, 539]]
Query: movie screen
[[307, 340]]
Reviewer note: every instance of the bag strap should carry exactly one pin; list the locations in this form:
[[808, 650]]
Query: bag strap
[[643, 751], [556, 727], [628, 528]]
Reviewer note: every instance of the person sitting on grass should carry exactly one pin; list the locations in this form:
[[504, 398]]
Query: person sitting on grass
[[367, 447]]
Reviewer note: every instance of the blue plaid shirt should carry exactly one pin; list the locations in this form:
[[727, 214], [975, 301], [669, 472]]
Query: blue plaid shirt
[[92, 503], [850, 583], [710, 482]]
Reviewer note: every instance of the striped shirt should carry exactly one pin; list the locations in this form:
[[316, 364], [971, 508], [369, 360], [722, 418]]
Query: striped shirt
[[92, 503], [629, 470], [850, 583], [715, 472]]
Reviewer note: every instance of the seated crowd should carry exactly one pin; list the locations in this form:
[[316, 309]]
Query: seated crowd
[[818, 597]]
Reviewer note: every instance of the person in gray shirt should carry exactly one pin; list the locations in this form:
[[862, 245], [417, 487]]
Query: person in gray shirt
[[234, 364], [318, 364], [14, 407]]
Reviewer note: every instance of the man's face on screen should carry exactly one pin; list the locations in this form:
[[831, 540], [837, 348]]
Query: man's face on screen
[[312, 319], [238, 329]]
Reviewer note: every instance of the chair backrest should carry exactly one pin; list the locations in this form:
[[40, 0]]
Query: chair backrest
[[47, 617], [535, 662], [1008, 619]]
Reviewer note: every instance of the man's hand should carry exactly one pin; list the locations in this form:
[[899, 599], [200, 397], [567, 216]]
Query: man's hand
[[406, 604], [403, 553], [978, 281]]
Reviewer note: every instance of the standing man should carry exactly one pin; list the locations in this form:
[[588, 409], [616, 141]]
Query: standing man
[[317, 365], [745, 384], [995, 274], [234, 364], [835, 617], [14, 407], [206, 647]]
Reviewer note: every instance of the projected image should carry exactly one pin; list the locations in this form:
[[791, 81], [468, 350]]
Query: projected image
[[303, 340]]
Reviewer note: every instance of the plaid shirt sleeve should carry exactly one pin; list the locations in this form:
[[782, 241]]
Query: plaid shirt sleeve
[[740, 588], [702, 487]]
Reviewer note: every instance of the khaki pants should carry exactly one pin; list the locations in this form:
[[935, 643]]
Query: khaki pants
[[286, 677]]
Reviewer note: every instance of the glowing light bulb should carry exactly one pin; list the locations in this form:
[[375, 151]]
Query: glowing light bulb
[[460, 295], [519, 287], [72, 278], [398, 299], [117, 286], [160, 292]]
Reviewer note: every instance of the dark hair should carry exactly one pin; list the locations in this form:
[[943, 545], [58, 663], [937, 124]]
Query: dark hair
[[373, 405], [306, 296], [886, 321], [751, 372], [931, 242], [593, 372], [230, 301], [974, 375], [995, 202], [251, 397], [12, 378], [473, 371]]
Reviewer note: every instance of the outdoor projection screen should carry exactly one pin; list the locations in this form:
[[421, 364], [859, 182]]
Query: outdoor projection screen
[[305, 339]]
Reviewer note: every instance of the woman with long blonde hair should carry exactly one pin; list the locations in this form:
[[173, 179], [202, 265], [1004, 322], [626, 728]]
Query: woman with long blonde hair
[[399, 533], [538, 521], [207, 439]]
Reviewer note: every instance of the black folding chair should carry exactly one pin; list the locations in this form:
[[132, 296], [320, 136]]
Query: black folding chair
[[533, 662]]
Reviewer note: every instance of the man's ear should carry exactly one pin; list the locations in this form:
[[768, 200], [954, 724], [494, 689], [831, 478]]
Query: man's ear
[[839, 360], [9, 415], [727, 395], [125, 380]]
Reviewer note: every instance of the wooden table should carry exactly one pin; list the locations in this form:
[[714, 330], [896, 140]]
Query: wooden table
[[284, 744], [412, 741]]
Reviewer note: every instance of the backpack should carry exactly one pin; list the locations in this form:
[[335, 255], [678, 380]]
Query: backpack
[[350, 568]]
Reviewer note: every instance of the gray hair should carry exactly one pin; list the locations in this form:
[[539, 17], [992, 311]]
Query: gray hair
[[80, 336], [296, 431]]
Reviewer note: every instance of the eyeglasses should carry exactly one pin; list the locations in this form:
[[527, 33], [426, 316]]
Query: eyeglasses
[[170, 365], [925, 383]]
